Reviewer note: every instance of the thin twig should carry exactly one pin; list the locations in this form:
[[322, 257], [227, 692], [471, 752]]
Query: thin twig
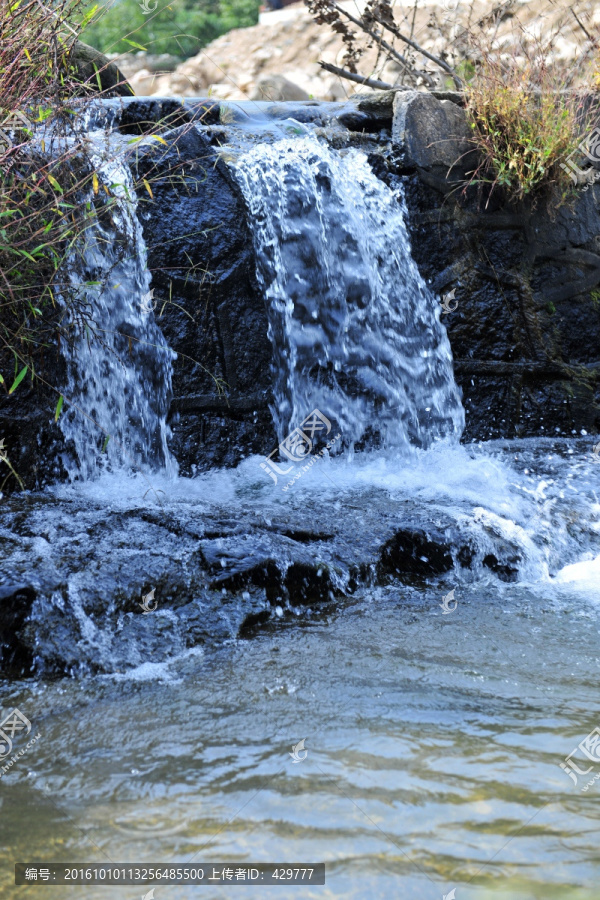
[[439, 62], [387, 47], [584, 29], [358, 79], [56, 16], [402, 37]]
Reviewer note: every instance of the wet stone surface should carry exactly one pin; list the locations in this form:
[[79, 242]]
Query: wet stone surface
[[74, 580]]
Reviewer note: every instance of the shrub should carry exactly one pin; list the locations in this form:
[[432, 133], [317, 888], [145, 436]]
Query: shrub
[[525, 123], [39, 215]]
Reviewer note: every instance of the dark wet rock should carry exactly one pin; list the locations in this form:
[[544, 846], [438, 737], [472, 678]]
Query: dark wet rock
[[523, 278], [369, 113], [379, 105], [254, 621], [16, 600], [93, 67], [415, 552], [374, 112], [306, 584], [76, 575], [208, 306], [34, 444], [507, 571], [249, 573]]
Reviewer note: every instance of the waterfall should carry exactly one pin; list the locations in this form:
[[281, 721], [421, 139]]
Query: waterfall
[[118, 368], [356, 333]]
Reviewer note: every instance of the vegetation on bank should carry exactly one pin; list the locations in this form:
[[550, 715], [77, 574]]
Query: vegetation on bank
[[178, 27], [525, 125], [528, 110], [40, 185]]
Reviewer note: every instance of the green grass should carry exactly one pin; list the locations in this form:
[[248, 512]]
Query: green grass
[[524, 127]]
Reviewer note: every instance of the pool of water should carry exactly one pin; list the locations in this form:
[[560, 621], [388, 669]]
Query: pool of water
[[433, 739]]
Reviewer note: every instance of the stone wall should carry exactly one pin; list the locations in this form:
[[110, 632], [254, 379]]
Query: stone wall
[[525, 332]]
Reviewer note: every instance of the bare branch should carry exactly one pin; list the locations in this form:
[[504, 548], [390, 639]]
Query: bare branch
[[584, 29], [358, 79], [390, 26], [391, 51]]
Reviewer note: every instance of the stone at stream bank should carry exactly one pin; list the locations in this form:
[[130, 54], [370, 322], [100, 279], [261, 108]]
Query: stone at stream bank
[[96, 70]]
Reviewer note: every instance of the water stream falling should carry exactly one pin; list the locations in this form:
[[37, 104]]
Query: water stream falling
[[119, 377], [355, 330]]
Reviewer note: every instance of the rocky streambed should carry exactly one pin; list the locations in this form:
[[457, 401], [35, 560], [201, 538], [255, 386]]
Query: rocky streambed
[[123, 572]]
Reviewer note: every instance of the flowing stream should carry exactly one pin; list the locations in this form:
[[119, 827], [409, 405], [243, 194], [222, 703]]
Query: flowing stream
[[435, 713]]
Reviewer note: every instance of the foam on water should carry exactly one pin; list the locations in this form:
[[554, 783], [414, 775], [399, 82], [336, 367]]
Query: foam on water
[[584, 575], [525, 493]]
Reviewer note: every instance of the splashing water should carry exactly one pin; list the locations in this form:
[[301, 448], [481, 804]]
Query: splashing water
[[355, 330], [119, 377]]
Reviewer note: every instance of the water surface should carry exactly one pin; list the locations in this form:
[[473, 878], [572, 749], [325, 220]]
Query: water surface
[[434, 740]]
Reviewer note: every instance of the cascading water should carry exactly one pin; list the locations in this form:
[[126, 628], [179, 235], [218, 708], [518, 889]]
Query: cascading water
[[356, 333], [119, 377], [355, 330]]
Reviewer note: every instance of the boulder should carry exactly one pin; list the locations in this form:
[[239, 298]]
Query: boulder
[[92, 66], [434, 134], [276, 87]]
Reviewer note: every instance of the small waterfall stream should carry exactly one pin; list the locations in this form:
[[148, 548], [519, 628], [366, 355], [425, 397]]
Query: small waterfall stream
[[356, 334], [119, 377], [355, 330]]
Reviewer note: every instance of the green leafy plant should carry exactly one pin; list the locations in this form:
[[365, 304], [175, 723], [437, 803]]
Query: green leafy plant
[[39, 188]]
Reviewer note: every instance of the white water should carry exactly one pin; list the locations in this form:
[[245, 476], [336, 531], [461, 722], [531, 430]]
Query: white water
[[540, 495], [119, 366], [355, 330]]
